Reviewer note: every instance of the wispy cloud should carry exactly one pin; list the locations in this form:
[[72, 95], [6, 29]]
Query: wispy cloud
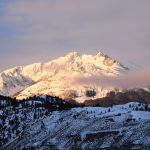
[[134, 79]]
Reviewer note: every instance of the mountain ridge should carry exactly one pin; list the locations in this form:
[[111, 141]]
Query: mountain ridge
[[56, 76]]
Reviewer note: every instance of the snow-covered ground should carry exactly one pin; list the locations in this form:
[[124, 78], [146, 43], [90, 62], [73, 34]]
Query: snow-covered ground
[[118, 127]]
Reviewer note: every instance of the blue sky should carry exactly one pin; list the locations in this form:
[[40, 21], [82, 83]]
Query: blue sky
[[41, 30]]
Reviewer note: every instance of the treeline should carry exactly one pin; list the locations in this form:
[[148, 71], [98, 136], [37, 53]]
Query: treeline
[[56, 103], [116, 98], [48, 102]]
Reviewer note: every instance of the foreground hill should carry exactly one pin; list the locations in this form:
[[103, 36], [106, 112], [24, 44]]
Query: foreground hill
[[58, 77], [16, 115], [33, 125]]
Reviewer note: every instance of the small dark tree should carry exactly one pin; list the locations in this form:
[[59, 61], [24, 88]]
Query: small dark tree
[[136, 109], [146, 107], [90, 93]]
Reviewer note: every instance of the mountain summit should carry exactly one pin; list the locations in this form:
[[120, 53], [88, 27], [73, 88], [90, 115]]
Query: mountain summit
[[57, 76]]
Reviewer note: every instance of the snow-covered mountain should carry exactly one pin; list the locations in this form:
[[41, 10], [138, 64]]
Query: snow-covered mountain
[[118, 127], [57, 77]]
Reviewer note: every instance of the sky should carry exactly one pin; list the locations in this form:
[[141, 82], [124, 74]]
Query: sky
[[41, 30]]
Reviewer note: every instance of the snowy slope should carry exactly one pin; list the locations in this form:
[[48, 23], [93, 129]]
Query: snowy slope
[[119, 127], [57, 76]]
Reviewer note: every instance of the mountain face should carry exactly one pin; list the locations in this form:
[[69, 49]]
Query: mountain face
[[57, 77]]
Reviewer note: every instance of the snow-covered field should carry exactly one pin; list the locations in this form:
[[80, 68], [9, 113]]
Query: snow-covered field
[[118, 127]]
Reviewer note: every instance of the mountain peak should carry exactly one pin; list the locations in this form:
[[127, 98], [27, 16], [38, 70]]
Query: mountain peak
[[76, 54], [73, 54], [55, 77], [100, 54]]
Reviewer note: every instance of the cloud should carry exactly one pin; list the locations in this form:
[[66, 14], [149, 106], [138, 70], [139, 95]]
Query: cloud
[[136, 79], [57, 27]]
